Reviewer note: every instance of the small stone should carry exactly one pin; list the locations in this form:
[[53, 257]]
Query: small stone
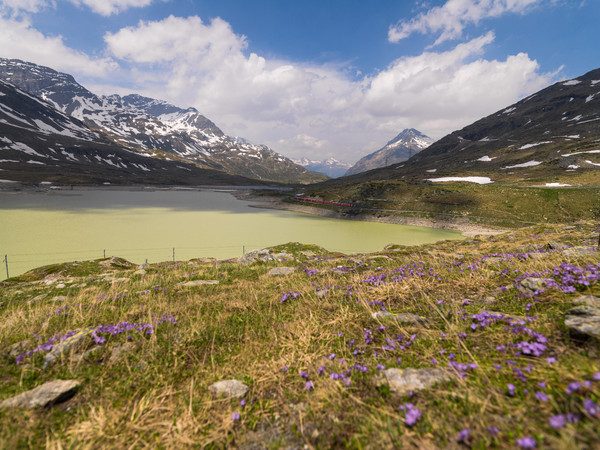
[[579, 251], [118, 352], [402, 381], [60, 286], [584, 321], [66, 346], [553, 245], [405, 318], [322, 293], [228, 389], [281, 271], [197, 283], [530, 285], [18, 348], [43, 396], [58, 298], [589, 300]]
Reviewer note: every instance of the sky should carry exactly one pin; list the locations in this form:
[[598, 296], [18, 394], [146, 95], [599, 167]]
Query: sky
[[313, 78]]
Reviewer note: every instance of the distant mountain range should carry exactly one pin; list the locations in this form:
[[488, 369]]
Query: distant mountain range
[[408, 143], [554, 133], [330, 167], [38, 98]]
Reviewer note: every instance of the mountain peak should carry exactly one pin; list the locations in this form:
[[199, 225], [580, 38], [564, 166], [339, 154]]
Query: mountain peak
[[409, 142]]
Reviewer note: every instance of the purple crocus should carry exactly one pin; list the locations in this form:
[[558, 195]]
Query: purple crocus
[[527, 442], [557, 421], [464, 435]]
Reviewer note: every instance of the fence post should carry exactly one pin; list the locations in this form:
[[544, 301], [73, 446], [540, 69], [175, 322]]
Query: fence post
[[243, 250], [105, 253], [6, 262], [173, 254]]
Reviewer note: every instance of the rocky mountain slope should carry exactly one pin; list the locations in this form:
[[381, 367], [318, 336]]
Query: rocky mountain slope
[[153, 127], [408, 143], [553, 134], [330, 167], [40, 143]]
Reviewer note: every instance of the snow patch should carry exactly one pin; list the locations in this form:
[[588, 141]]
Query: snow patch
[[581, 153], [571, 83], [572, 166], [527, 164], [526, 146], [557, 185], [509, 110], [485, 158], [592, 163], [478, 180], [431, 170]]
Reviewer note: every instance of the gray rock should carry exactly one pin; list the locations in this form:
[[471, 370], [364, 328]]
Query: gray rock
[[402, 381], [405, 318], [117, 262], [67, 345], [43, 396], [254, 256], [118, 352], [88, 354], [18, 348], [60, 286], [58, 298], [193, 283], [529, 285], [580, 251], [322, 293], [584, 321], [589, 300], [553, 245], [282, 271], [228, 389]]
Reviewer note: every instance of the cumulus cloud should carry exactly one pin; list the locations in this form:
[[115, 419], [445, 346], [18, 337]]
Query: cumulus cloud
[[109, 7], [18, 39], [317, 110], [453, 16], [19, 6]]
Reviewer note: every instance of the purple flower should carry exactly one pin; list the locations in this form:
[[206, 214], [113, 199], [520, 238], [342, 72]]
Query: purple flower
[[557, 421], [542, 396], [284, 368], [464, 435], [551, 360], [591, 408], [303, 374], [596, 376], [309, 385], [493, 431], [412, 415], [527, 442], [243, 402], [235, 416], [573, 387], [511, 389]]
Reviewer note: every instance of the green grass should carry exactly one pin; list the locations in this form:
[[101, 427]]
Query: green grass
[[155, 393]]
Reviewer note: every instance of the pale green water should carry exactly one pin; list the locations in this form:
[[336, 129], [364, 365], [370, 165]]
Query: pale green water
[[44, 228]]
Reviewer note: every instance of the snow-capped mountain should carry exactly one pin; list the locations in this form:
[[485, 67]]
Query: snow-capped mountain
[[402, 147], [41, 143], [153, 127], [330, 167]]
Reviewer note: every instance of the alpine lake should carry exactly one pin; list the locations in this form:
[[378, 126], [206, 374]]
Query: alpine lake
[[154, 225]]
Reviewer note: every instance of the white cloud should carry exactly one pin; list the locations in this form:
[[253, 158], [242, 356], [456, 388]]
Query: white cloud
[[451, 18], [109, 7], [18, 39], [18, 6], [316, 110]]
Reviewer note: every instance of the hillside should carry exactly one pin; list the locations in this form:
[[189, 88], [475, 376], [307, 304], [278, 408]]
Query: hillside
[[408, 143], [154, 128], [550, 136], [40, 143], [484, 343]]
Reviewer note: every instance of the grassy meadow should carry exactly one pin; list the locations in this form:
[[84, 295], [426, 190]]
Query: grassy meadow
[[311, 351]]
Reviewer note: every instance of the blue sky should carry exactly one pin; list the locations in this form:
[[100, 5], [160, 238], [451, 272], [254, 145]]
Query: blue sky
[[320, 79]]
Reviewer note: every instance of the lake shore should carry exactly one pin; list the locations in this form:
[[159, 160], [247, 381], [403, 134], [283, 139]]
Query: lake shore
[[467, 228]]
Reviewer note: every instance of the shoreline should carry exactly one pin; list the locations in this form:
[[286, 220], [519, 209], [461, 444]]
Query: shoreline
[[467, 228]]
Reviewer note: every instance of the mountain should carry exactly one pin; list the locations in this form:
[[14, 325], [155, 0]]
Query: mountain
[[153, 127], [408, 143], [552, 134], [330, 167], [40, 143]]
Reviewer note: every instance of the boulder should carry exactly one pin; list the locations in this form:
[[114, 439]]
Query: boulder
[[553, 245], [193, 283], [403, 381], [580, 251], [584, 321], [43, 396], [589, 300], [528, 286], [228, 389], [405, 318], [67, 345], [282, 271], [18, 348]]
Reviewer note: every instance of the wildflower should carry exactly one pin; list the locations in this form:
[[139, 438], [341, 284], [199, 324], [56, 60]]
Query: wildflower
[[573, 387], [284, 368], [303, 374], [527, 442], [557, 421], [309, 385], [511, 389], [464, 435], [243, 402], [542, 396], [235, 416], [551, 360], [493, 431], [591, 408], [411, 415]]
